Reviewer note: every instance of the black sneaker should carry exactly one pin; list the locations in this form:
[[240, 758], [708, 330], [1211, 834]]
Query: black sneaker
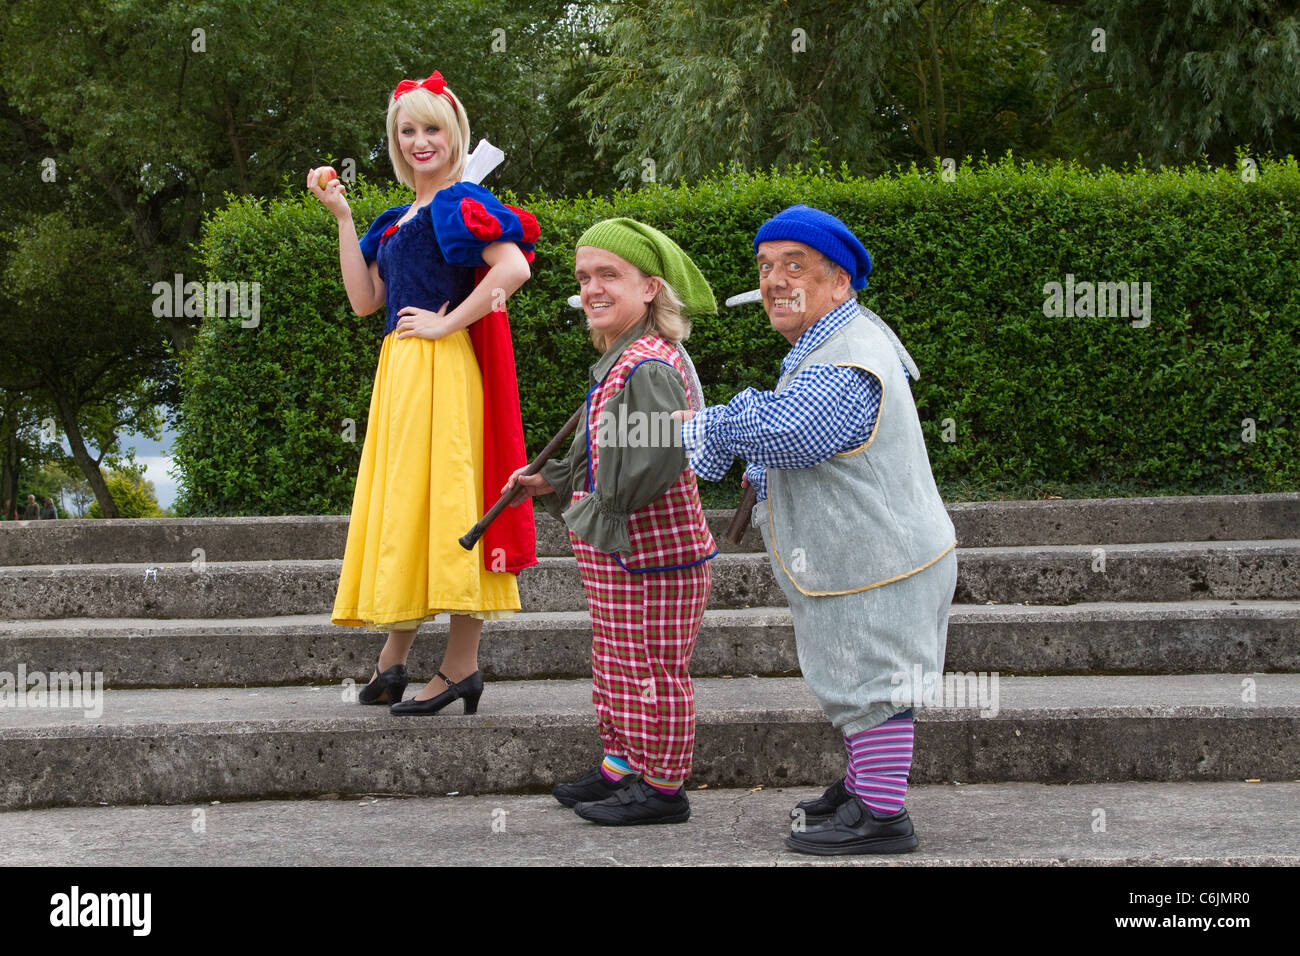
[[593, 785], [854, 829], [820, 809], [636, 804]]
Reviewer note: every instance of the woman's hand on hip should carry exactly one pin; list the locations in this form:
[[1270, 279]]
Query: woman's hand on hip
[[422, 323]]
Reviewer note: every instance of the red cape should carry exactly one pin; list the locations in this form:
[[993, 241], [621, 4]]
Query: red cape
[[510, 542]]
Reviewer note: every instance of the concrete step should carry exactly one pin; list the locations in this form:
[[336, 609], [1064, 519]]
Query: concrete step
[[1173, 571], [176, 746], [1099, 521], [1185, 637], [277, 538], [258, 588], [1011, 824], [979, 524], [1229, 571]]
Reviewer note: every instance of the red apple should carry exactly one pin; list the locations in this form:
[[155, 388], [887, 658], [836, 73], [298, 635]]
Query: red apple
[[324, 175]]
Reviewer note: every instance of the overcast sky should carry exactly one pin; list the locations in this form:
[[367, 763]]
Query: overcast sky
[[156, 457]]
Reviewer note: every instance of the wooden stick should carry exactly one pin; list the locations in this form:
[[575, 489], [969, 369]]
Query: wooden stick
[[740, 520], [471, 536]]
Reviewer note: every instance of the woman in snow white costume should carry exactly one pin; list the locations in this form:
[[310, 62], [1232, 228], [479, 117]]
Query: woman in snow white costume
[[444, 420]]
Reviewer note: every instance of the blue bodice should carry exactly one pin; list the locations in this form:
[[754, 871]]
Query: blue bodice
[[415, 271], [431, 258]]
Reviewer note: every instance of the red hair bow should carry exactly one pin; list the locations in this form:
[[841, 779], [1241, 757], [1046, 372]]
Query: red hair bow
[[435, 84]]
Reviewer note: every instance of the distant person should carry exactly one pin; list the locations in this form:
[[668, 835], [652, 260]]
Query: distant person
[[6, 515], [49, 510], [32, 512]]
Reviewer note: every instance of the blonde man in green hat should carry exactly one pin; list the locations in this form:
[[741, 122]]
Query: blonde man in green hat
[[627, 494]]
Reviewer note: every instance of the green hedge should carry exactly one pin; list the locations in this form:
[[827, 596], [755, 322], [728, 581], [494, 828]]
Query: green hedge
[[961, 271]]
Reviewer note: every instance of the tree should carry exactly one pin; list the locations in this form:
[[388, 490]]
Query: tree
[[135, 495], [75, 491], [960, 81], [189, 102], [81, 334], [520, 67], [1175, 80], [19, 442], [690, 86]]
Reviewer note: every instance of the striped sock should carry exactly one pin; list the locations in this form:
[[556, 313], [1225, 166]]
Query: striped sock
[[879, 762], [848, 756], [614, 768], [663, 784]]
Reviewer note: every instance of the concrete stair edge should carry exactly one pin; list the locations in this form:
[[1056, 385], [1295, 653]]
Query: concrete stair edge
[[979, 524], [1156, 571], [1153, 638], [178, 746]]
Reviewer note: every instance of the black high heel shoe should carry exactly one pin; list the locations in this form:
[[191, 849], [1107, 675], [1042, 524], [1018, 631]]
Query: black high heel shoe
[[470, 689], [393, 680]]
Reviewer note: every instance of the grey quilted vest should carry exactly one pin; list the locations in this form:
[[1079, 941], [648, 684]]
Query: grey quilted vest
[[866, 517]]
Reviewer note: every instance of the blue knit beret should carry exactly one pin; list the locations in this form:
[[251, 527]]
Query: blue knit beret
[[823, 232]]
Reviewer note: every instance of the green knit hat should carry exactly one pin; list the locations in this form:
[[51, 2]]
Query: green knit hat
[[654, 254]]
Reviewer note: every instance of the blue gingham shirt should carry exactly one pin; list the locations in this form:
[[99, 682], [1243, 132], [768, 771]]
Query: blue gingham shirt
[[824, 410]]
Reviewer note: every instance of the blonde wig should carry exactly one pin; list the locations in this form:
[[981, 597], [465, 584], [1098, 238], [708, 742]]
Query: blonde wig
[[433, 109]]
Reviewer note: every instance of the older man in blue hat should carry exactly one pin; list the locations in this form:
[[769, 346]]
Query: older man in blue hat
[[853, 524]]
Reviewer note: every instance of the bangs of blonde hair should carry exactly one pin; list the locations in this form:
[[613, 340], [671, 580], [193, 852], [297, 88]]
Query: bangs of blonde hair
[[663, 316], [433, 109]]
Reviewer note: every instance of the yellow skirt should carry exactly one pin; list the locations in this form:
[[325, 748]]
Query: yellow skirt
[[419, 488]]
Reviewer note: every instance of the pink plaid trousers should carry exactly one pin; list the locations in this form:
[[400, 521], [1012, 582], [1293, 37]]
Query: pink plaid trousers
[[644, 625], [644, 628]]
